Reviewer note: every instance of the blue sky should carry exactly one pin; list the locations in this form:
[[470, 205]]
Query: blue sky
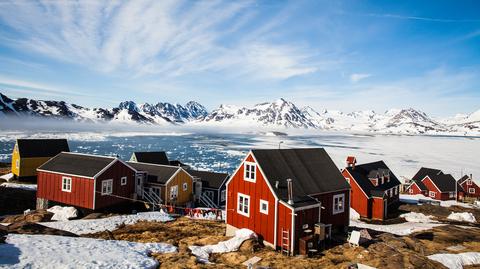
[[345, 55]]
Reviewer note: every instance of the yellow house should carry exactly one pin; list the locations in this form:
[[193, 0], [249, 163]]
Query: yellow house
[[163, 184], [29, 154]]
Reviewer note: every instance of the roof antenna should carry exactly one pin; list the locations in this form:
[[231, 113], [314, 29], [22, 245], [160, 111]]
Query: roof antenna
[[279, 143]]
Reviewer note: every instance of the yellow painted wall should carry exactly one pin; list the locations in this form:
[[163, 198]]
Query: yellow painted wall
[[27, 166], [183, 196]]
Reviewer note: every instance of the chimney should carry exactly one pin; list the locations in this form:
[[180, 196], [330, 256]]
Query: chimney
[[351, 161], [290, 191]]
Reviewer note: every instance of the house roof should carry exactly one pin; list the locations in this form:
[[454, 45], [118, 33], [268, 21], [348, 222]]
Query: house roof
[[30, 148], [463, 179], [156, 173], [311, 169], [444, 182], [210, 179], [155, 157], [423, 172], [363, 172], [77, 164]]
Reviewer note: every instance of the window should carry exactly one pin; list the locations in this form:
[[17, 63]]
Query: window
[[471, 190], [469, 182], [410, 190], [17, 163], [67, 184], [107, 186], [338, 203], [395, 190], [123, 181], [243, 205], [431, 193], [250, 170], [348, 180], [374, 181], [185, 186], [173, 192], [263, 206], [222, 196], [391, 192], [451, 194]]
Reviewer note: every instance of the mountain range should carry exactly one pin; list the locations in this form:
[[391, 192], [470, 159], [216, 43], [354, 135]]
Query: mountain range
[[278, 114]]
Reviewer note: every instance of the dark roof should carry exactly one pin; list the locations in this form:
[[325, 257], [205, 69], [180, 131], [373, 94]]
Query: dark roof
[[77, 164], [155, 157], [29, 148], [423, 172], [363, 172], [311, 170], [210, 179], [445, 182], [463, 179], [177, 163], [156, 173]]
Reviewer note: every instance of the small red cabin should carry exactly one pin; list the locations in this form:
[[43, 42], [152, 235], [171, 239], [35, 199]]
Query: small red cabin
[[469, 186], [374, 189], [435, 184], [281, 194], [85, 181]]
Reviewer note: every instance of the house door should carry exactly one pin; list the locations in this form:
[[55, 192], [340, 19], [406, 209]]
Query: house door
[[139, 184]]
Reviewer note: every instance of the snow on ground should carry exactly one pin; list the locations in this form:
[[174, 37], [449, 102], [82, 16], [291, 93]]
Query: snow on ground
[[28, 187], [457, 261], [98, 225], [7, 177], [462, 216], [203, 252], [415, 198], [416, 222], [50, 251], [63, 213], [418, 217]]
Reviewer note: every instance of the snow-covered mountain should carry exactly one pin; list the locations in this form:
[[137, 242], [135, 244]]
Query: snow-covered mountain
[[127, 111], [278, 114]]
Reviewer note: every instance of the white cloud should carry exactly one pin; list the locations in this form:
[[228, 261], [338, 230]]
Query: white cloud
[[357, 77], [170, 38]]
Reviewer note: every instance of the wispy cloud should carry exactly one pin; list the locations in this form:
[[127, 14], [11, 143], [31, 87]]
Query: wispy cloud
[[419, 18], [168, 38], [356, 77]]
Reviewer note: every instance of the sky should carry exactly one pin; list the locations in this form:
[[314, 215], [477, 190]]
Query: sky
[[343, 55]]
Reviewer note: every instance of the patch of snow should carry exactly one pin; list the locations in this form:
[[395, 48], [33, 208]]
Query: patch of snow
[[50, 251], [456, 261], [401, 229], [203, 252], [418, 217], [63, 213], [354, 214], [28, 187], [462, 216], [450, 203], [415, 198], [7, 177], [99, 225]]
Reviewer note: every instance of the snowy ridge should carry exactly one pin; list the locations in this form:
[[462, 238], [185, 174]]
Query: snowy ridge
[[278, 114]]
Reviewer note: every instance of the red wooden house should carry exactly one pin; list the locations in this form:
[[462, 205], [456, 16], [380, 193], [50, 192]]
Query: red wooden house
[[85, 181], [435, 184], [374, 189], [469, 186], [282, 193]]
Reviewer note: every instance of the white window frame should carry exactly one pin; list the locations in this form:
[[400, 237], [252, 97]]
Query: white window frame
[[262, 203], [347, 179], [451, 194], [410, 190], [469, 182], [431, 194], [123, 181], [107, 186], [185, 186], [242, 205], [67, 184], [395, 190], [338, 208], [247, 174], [471, 190], [173, 189], [223, 195], [17, 163]]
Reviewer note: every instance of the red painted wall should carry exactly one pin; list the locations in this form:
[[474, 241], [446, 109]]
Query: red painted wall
[[377, 208], [431, 187], [115, 172], [50, 187], [307, 216], [416, 190], [475, 186], [258, 222], [340, 219], [284, 222], [359, 201]]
